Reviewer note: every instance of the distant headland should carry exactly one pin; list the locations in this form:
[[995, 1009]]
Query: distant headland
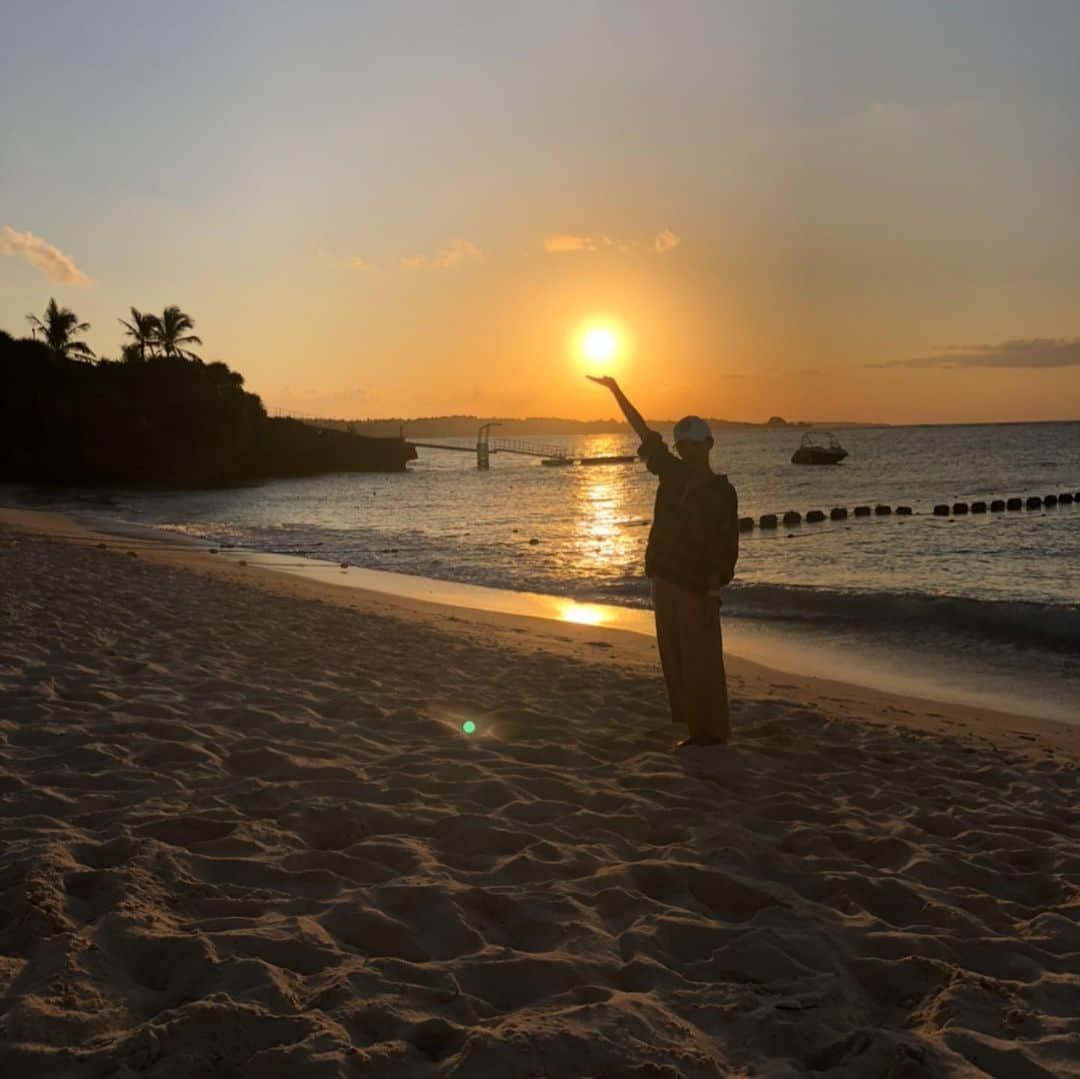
[[460, 426]]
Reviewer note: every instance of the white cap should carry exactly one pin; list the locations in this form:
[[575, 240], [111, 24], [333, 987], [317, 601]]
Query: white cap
[[692, 429]]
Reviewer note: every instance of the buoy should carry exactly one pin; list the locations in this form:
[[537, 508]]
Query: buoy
[[903, 511], [838, 513], [997, 505], [1065, 499], [792, 517], [767, 520], [1014, 504], [959, 508], [1034, 503], [978, 507], [746, 524], [941, 511], [862, 511], [813, 516], [1050, 500], [882, 511]]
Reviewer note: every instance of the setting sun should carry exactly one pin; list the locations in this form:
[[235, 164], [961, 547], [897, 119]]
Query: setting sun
[[600, 344]]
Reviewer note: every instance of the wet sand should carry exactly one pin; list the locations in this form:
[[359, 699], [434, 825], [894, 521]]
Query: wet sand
[[244, 834]]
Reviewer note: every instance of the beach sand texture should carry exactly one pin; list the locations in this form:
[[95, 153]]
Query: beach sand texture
[[243, 834]]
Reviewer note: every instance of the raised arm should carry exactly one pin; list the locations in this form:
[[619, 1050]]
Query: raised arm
[[641, 428]]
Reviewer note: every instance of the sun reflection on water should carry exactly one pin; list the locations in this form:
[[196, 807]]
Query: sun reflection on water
[[601, 543]]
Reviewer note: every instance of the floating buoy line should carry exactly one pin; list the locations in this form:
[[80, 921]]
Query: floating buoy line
[[769, 522]]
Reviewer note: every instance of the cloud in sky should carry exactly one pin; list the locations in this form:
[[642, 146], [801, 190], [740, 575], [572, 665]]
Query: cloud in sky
[[41, 254], [561, 243], [353, 263], [453, 254], [456, 252], [566, 243], [1023, 353], [665, 241]]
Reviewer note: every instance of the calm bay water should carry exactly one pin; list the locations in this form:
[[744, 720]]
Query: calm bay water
[[995, 595]]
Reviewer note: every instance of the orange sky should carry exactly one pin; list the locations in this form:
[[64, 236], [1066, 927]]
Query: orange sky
[[843, 211]]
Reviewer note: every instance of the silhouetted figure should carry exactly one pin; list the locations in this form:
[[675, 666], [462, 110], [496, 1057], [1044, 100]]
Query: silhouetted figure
[[693, 547]]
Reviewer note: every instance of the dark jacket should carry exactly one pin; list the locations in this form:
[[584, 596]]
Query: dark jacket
[[694, 534]]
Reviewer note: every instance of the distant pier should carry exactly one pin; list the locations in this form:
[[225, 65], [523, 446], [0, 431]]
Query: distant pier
[[549, 455]]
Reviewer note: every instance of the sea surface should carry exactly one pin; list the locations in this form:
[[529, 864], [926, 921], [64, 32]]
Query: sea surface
[[987, 605]]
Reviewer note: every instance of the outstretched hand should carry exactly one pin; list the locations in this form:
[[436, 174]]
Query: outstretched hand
[[603, 380]]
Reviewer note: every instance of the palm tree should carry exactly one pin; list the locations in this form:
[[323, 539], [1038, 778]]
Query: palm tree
[[144, 330], [173, 333], [58, 329]]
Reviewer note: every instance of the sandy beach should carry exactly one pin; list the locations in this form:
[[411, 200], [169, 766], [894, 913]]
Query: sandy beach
[[245, 834]]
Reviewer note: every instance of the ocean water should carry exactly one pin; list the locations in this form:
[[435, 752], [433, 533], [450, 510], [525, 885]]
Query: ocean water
[[990, 601]]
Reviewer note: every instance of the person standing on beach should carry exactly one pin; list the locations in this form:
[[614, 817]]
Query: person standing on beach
[[691, 555]]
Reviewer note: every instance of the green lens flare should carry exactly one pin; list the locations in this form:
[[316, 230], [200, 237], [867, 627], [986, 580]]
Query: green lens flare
[[468, 726]]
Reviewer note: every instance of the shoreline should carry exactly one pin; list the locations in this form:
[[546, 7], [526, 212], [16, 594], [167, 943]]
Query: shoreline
[[633, 643], [248, 830], [870, 660]]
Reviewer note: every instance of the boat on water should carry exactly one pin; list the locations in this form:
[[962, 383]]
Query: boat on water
[[819, 448], [611, 459], [620, 459]]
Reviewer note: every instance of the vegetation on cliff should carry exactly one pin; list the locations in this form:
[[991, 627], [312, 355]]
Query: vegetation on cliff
[[159, 416]]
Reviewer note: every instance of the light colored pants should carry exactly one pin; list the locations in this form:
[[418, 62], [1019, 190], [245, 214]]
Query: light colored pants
[[692, 656]]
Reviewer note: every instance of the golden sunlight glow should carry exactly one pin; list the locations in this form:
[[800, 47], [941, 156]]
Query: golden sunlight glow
[[599, 344], [584, 614]]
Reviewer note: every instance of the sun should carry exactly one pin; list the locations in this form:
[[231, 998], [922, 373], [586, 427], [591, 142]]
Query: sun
[[600, 344]]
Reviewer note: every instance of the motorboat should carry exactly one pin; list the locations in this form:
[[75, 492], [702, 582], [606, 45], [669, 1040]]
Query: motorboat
[[611, 459], [819, 448]]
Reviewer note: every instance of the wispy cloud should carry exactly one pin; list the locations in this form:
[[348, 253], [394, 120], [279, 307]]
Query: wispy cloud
[[41, 254], [1022, 352], [562, 243], [456, 252], [353, 263], [568, 243], [665, 240], [453, 254]]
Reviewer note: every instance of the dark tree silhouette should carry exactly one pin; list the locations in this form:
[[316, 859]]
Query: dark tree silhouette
[[58, 330], [145, 333], [173, 335], [168, 422]]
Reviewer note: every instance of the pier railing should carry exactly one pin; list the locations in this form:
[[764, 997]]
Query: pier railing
[[549, 454]]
